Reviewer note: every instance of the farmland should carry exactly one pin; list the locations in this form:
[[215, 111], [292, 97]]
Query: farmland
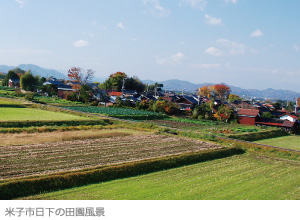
[[66, 158], [238, 177], [117, 112], [17, 110], [209, 127], [30, 114], [289, 142], [17, 161]]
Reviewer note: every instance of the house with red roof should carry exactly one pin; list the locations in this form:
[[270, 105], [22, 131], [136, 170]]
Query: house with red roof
[[248, 116], [289, 117]]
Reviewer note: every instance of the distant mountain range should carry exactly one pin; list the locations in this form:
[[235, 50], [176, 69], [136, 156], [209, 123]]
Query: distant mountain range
[[185, 86], [36, 70], [170, 85]]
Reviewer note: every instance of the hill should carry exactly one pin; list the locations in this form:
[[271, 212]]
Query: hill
[[36, 70], [186, 86]]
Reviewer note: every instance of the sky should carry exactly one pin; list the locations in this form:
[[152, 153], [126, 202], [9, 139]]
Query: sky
[[252, 44]]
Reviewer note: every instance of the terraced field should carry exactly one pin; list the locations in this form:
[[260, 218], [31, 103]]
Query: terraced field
[[27, 160], [239, 177]]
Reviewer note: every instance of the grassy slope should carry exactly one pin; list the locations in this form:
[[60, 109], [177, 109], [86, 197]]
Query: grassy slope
[[238, 177], [290, 142], [25, 114]]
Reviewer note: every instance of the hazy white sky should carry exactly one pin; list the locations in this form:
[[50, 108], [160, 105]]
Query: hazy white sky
[[245, 43]]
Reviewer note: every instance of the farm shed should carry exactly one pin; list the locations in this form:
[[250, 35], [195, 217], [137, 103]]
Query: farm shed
[[248, 116]]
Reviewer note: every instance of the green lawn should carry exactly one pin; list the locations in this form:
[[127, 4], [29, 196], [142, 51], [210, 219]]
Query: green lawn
[[24, 114], [239, 177], [5, 101], [290, 142]]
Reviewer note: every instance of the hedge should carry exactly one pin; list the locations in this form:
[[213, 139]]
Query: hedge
[[22, 124], [254, 136], [40, 184]]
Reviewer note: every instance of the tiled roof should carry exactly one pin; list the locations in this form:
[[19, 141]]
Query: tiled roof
[[248, 112], [114, 93]]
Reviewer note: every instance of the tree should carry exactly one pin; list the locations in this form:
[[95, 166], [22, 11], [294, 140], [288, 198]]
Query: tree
[[133, 83], [233, 98], [172, 108], [29, 82], [224, 113], [268, 115], [277, 105], [222, 91], [115, 81], [10, 75], [85, 93], [77, 75], [207, 91], [118, 79]]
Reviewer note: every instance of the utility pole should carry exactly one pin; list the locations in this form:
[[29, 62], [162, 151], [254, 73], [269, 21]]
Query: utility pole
[[123, 87], [296, 106], [198, 96]]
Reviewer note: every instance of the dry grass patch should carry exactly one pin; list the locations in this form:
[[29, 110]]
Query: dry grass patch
[[58, 136], [36, 159]]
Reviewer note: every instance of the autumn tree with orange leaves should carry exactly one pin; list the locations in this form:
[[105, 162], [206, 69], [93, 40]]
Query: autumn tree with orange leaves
[[80, 78], [206, 91], [222, 91]]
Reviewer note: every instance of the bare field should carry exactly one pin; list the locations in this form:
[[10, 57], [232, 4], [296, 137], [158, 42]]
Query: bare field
[[16, 139], [27, 160]]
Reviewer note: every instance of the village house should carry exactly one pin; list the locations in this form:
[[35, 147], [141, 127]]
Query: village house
[[186, 102], [273, 122], [289, 117], [248, 116], [14, 83]]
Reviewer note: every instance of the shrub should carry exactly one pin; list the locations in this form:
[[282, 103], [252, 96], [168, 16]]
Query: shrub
[[29, 96]]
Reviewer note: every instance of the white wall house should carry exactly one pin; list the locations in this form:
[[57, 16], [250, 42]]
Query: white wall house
[[291, 118]]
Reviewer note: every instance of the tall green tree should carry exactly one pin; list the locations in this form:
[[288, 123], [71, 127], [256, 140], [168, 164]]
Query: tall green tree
[[116, 81], [29, 82], [10, 75]]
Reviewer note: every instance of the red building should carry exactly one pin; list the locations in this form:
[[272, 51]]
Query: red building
[[248, 116]]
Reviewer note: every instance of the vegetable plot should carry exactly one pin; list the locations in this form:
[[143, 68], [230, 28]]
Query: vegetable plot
[[118, 112]]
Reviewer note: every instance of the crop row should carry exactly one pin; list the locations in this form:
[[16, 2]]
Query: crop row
[[111, 111], [72, 155]]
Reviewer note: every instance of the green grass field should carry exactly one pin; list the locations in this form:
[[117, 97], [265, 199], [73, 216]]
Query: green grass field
[[290, 142], [239, 177], [25, 114]]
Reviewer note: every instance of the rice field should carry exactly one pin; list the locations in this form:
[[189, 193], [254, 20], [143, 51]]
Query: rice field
[[289, 142], [241, 177], [30, 114], [36, 159]]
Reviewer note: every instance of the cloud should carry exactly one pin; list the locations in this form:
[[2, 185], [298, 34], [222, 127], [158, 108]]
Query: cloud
[[177, 57], [156, 8], [232, 47], [232, 1], [207, 66], [213, 51], [228, 48], [296, 47], [199, 4], [120, 25], [257, 33], [173, 59], [21, 3], [81, 43], [212, 21]]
